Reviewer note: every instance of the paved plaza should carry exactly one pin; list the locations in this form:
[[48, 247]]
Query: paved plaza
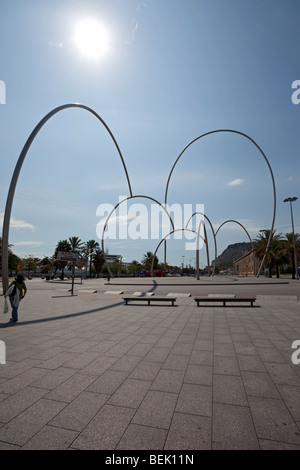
[[88, 372]]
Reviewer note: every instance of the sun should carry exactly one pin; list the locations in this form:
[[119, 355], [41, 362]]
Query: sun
[[91, 38]]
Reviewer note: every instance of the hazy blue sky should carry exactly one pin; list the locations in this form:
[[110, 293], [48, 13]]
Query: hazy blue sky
[[174, 69]]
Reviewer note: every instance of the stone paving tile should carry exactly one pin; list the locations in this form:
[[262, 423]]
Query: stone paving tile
[[21, 381], [51, 438], [82, 360], [195, 399], [199, 374], [80, 411], [130, 393], [229, 389], [270, 355], [203, 344], [250, 363], [54, 378], [202, 357], [3, 396], [108, 382], [99, 365], [140, 349], [273, 421], [146, 370], [156, 410], [282, 373], [259, 384], [24, 426], [168, 381], [15, 404], [142, 438], [233, 428], [157, 354], [275, 445], [105, 430], [49, 353], [13, 369], [245, 348], [291, 396], [58, 360], [7, 446], [71, 388], [226, 365], [223, 349], [126, 364], [189, 432]]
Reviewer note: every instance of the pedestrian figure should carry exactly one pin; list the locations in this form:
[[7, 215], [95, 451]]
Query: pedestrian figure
[[16, 292]]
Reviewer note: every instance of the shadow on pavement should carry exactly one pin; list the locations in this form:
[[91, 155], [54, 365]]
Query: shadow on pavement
[[60, 317]]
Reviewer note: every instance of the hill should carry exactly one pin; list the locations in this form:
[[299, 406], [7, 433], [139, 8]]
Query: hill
[[231, 253]]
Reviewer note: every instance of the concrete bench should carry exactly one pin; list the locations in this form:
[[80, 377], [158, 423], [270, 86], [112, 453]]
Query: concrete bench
[[149, 299], [224, 299]]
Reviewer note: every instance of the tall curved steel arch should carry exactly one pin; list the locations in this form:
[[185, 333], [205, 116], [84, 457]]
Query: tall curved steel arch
[[14, 180], [115, 208], [266, 160], [241, 225]]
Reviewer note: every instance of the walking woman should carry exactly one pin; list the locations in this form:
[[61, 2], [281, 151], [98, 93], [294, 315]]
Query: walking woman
[[16, 291]]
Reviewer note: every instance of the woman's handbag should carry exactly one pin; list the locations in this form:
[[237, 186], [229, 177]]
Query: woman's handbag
[[6, 307]]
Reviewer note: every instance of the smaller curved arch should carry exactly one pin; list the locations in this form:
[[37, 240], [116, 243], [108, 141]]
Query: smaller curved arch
[[115, 208], [213, 232], [170, 233], [244, 228], [262, 154]]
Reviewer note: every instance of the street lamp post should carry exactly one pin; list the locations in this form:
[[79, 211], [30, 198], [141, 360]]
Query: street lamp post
[[290, 200]]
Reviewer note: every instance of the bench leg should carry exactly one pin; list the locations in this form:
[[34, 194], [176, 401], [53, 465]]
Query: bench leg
[[224, 303]]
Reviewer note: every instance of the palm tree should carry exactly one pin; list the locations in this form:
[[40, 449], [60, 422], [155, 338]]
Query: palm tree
[[98, 260], [292, 241], [62, 245], [89, 248], [147, 260], [272, 257], [76, 243]]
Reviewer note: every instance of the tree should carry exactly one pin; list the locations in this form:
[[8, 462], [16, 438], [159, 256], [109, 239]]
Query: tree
[[13, 260], [98, 260], [273, 255], [147, 260], [30, 264], [65, 246], [134, 267], [89, 248], [292, 241], [76, 244]]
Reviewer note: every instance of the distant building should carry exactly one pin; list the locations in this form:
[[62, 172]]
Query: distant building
[[247, 264], [112, 258]]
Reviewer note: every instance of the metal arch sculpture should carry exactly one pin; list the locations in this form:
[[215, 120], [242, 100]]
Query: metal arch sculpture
[[213, 232], [9, 201], [115, 208], [266, 160], [241, 225], [170, 233]]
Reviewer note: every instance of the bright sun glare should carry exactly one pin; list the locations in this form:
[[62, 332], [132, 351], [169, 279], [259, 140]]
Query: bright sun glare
[[91, 38]]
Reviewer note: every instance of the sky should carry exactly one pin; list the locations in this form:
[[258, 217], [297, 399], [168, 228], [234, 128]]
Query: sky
[[160, 74]]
